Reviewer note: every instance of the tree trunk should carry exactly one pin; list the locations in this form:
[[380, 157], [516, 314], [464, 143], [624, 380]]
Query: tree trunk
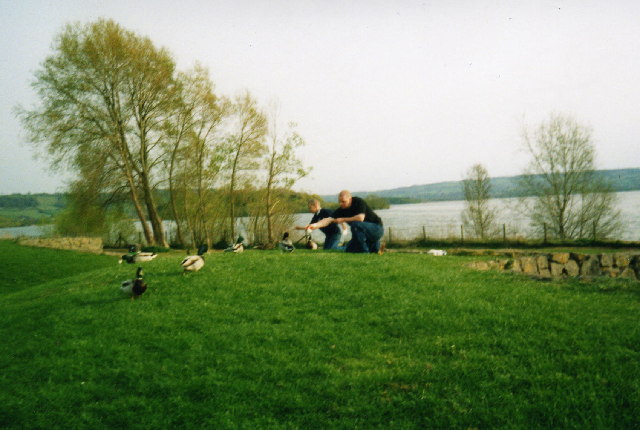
[[268, 214], [134, 194], [232, 202], [174, 211], [143, 220], [172, 200], [154, 216]]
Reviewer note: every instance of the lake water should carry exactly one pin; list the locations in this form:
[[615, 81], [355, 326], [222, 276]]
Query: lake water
[[443, 219], [26, 231], [435, 219]]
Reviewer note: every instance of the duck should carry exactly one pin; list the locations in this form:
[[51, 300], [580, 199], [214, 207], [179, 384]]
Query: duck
[[144, 256], [135, 256], [285, 244], [310, 244], [437, 252], [193, 263], [134, 287], [236, 247], [129, 257]]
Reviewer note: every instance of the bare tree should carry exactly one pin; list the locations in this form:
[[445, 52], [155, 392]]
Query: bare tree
[[568, 197], [106, 91], [282, 167], [242, 149], [478, 214], [194, 159]]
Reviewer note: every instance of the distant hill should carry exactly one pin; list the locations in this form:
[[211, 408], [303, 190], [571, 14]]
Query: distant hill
[[27, 209], [620, 179]]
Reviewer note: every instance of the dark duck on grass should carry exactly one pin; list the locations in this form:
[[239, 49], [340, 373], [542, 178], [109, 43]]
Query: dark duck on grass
[[285, 244], [128, 258], [134, 288], [193, 263]]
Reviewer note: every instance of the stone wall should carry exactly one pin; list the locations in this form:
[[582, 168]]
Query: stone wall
[[569, 264], [84, 244]]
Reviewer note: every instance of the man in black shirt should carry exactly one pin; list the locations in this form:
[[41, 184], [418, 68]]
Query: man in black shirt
[[366, 225], [332, 232]]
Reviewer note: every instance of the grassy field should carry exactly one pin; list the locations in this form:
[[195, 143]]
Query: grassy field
[[311, 340]]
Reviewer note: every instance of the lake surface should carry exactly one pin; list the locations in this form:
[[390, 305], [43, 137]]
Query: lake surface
[[26, 231], [435, 219], [443, 219]]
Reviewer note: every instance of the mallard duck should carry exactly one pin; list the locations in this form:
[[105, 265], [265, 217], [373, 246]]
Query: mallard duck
[[193, 263], [129, 257], [236, 247], [310, 244], [285, 244], [134, 287], [137, 256]]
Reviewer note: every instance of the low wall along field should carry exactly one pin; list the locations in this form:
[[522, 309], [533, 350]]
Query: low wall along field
[[84, 244], [568, 264]]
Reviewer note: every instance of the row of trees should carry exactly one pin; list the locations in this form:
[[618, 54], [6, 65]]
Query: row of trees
[[569, 201], [114, 109], [18, 201]]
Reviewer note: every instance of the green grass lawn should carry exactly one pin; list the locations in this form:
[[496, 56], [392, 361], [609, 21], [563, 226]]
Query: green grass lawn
[[311, 340]]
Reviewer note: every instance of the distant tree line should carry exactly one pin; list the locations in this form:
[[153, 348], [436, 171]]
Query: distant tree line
[[115, 111], [18, 201]]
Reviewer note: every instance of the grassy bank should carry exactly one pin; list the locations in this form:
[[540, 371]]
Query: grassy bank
[[311, 340]]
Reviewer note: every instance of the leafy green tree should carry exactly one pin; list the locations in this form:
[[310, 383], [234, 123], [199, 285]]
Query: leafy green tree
[[568, 196], [377, 202], [84, 214], [478, 215], [104, 94]]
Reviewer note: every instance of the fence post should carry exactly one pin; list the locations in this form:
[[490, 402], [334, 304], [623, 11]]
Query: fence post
[[424, 233], [504, 233], [461, 233], [389, 235], [545, 232]]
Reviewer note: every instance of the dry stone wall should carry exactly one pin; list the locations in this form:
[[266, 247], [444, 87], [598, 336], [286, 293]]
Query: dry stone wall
[[569, 264], [84, 244]]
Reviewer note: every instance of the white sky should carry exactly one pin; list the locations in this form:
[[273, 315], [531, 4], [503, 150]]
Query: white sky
[[386, 93]]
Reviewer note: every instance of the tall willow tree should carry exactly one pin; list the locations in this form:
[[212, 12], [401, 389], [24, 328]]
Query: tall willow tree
[[106, 91]]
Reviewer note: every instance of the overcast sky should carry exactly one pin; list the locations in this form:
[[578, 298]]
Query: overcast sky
[[385, 93]]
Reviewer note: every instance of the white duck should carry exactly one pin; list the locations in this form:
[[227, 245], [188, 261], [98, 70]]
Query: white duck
[[437, 252], [134, 287], [193, 263], [285, 244]]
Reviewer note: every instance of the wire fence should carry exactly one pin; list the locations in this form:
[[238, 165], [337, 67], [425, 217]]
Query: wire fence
[[454, 232]]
